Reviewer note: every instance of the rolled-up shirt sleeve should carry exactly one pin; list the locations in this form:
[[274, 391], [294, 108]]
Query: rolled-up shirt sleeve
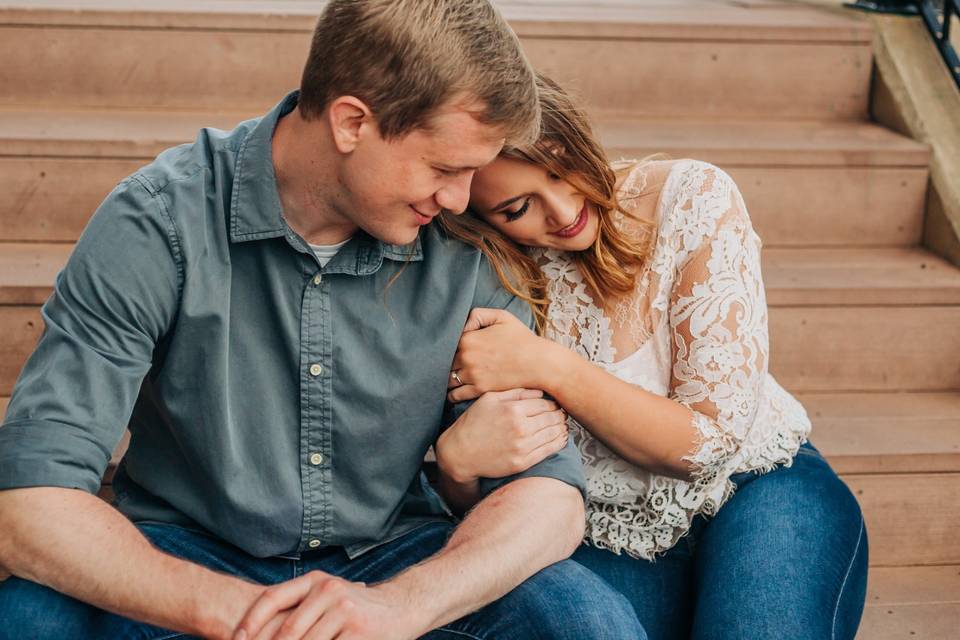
[[112, 302], [565, 465]]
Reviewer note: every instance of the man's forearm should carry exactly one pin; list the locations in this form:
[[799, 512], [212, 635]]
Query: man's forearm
[[77, 544], [508, 537]]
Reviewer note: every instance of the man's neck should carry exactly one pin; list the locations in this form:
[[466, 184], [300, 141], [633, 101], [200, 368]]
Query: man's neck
[[301, 161]]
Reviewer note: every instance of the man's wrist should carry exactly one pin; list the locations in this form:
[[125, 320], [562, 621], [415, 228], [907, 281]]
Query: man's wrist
[[219, 617], [419, 614]]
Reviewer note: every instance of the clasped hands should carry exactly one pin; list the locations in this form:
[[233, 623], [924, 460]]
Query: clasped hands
[[511, 426], [320, 606]]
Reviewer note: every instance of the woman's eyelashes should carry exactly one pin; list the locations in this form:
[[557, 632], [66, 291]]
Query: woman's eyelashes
[[516, 215]]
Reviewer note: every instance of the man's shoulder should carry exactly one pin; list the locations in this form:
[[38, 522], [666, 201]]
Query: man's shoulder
[[466, 265], [211, 155]]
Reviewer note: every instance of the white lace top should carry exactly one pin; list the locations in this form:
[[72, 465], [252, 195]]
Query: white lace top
[[695, 331]]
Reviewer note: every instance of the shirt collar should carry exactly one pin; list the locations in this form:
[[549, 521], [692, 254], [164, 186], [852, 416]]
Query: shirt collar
[[256, 212]]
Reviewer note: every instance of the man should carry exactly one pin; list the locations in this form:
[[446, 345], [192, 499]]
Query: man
[[272, 312]]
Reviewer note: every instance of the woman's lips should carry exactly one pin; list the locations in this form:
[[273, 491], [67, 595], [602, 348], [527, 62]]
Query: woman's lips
[[576, 227]]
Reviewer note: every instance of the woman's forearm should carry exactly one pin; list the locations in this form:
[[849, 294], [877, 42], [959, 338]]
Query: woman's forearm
[[642, 427]]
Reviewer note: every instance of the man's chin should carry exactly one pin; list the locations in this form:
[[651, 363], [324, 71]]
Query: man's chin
[[398, 237]]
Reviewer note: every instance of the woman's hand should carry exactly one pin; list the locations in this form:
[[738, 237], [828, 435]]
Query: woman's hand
[[497, 352], [501, 434]]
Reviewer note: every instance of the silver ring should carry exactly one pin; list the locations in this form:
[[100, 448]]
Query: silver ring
[[456, 376]]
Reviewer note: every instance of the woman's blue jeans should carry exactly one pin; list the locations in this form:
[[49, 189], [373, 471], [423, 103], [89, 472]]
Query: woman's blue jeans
[[563, 601], [785, 557]]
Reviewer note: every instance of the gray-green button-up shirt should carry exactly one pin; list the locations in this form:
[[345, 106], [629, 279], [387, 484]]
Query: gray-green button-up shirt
[[277, 404]]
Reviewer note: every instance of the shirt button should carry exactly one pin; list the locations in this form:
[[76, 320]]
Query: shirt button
[[315, 369], [314, 543], [317, 279], [316, 459]]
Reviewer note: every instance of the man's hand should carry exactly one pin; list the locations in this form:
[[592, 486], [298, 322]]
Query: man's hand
[[318, 606]]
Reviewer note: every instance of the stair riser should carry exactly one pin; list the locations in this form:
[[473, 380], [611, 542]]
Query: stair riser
[[911, 519], [837, 349], [814, 348], [50, 199], [21, 327], [90, 67]]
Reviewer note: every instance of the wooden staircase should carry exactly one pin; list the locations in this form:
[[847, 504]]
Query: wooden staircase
[[865, 324]]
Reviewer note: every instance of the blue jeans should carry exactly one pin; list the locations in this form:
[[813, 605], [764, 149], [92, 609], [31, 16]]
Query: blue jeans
[[785, 557], [563, 601]]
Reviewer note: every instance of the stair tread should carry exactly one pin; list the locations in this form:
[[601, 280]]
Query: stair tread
[[793, 277], [145, 133], [761, 142], [886, 432], [647, 19], [913, 585]]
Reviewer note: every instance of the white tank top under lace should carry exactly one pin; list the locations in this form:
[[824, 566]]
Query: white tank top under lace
[[695, 331]]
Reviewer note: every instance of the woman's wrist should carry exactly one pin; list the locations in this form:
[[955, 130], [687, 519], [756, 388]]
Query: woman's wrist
[[553, 367]]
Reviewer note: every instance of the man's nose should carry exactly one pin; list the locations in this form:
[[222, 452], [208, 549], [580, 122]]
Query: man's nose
[[455, 195]]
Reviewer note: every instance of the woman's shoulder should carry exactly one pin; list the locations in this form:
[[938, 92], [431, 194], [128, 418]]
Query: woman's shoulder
[[640, 186]]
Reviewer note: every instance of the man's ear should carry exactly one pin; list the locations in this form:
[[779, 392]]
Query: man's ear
[[350, 119]]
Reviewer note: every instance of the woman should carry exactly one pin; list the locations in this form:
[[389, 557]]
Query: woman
[[707, 506]]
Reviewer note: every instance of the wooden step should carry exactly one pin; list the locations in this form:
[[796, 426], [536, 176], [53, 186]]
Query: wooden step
[[805, 183], [911, 515], [873, 348], [848, 277], [692, 59], [862, 433], [828, 332], [911, 518], [793, 277], [911, 603]]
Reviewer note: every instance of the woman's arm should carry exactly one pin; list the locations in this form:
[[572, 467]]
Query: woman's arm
[[644, 428]]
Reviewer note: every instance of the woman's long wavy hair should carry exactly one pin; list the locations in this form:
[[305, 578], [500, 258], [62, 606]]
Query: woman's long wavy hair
[[566, 148]]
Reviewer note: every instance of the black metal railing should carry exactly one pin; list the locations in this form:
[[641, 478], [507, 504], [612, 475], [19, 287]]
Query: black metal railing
[[937, 15]]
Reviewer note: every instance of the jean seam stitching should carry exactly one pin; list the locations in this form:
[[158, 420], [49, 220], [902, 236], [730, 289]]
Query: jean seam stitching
[[836, 609], [459, 633]]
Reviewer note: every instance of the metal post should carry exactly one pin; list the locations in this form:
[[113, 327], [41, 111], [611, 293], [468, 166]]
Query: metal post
[[899, 7]]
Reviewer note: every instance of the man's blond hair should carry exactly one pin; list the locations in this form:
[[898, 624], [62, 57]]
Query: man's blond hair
[[406, 58]]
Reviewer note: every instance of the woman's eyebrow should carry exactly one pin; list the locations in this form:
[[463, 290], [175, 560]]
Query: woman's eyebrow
[[508, 202]]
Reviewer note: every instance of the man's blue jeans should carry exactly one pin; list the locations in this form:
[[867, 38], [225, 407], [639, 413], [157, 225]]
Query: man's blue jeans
[[563, 601], [785, 557]]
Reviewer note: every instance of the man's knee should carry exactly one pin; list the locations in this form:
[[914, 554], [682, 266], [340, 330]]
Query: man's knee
[[566, 600]]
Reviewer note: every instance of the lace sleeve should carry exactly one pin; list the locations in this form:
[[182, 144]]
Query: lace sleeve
[[718, 318]]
